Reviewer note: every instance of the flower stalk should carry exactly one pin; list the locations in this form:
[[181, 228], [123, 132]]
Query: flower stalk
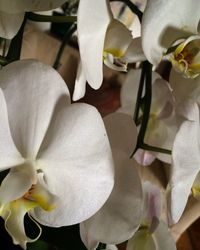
[[132, 7], [14, 51], [145, 102], [66, 38], [53, 19]]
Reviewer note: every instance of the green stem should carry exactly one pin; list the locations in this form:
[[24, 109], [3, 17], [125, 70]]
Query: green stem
[[146, 76], [139, 120], [3, 174], [146, 101], [155, 149], [132, 7], [15, 47], [4, 47], [53, 19], [67, 36], [139, 94]]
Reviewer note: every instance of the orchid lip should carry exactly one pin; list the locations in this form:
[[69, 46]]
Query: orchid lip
[[185, 56], [38, 195], [113, 62]]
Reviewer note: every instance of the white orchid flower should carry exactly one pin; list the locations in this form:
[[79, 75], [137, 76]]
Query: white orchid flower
[[166, 30], [102, 39], [119, 218], [153, 233], [12, 13], [162, 125], [58, 154], [186, 162]]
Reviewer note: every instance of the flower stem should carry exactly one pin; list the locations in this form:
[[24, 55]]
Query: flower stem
[[66, 38], [139, 94], [132, 7], [155, 149], [146, 77], [15, 47], [53, 19], [146, 102]]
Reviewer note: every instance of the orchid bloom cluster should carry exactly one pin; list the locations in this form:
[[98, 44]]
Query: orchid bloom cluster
[[62, 164]]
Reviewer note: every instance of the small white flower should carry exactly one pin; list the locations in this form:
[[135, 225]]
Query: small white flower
[[162, 125], [177, 32], [102, 39]]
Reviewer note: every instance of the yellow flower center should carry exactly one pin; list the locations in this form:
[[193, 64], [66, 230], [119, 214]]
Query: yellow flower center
[[40, 198], [186, 57], [115, 52], [112, 59], [196, 191], [196, 187]]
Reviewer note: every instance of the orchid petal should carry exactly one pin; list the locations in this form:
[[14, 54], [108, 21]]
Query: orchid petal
[[10, 6], [9, 155], [152, 205], [18, 181], [122, 132], [162, 98], [129, 89], [134, 52], [172, 124], [91, 36], [80, 84], [42, 196], [110, 62], [161, 133], [144, 157], [142, 240], [117, 44], [13, 214], [10, 24], [128, 110], [111, 247], [166, 158], [184, 89], [81, 162], [135, 27], [159, 33], [163, 238], [120, 217], [161, 128], [12, 13], [156, 134], [196, 187], [29, 116], [90, 242], [185, 165], [187, 110]]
